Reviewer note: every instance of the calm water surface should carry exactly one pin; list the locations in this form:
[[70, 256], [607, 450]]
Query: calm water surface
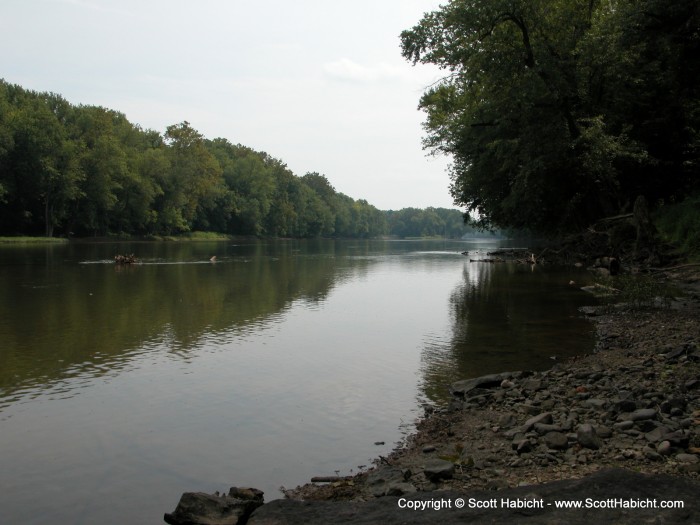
[[122, 387]]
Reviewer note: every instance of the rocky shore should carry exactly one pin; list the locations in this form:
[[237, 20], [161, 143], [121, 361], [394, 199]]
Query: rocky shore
[[633, 404]]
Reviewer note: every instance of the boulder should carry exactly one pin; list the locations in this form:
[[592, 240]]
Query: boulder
[[556, 440], [461, 388], [198, 508], [587, 437], [438, 469]]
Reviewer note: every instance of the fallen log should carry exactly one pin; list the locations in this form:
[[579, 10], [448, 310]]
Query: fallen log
[[329, 479]]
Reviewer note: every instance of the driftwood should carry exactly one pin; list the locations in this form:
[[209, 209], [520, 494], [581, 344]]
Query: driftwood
[[329, 479], [125, 259], [508, 252]]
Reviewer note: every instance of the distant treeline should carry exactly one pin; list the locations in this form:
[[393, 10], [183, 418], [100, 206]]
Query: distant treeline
[[433, 222], [86, 170]]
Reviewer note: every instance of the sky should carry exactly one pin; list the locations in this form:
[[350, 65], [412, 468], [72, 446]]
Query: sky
[[318, 84]]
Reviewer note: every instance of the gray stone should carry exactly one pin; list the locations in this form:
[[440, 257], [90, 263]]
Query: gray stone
[[543, 428], [556, 440], [587, 437], [656, 435], [664, 448], [532, 385], [428, 449], [382, 480], [687, 458], [623, 425], [522, 446], [198, 508], [506, 421], [603, 431], [438, 469], [596, 403], [461, 388], [678, 439], [545, 418], [641, 415], [399, 489], [653, 456]]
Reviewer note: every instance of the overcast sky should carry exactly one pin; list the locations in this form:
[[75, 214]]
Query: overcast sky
[[319, 84]]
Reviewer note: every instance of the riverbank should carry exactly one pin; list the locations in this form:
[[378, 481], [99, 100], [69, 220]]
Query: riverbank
[[32, 240], [634, 403]]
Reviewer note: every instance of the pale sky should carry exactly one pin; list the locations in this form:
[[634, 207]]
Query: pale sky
[[319, 84]]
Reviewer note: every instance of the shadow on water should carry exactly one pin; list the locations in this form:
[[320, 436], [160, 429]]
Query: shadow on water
[[507, 317]]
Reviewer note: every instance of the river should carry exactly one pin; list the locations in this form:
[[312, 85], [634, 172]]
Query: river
[[123, 386]]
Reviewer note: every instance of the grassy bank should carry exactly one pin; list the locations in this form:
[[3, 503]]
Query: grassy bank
[[32, 240]]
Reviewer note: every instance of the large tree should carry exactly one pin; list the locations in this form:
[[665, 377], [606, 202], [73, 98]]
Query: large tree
[[526, 112]]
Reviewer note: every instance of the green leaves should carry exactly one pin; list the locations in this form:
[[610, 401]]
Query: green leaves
[[550, 110]]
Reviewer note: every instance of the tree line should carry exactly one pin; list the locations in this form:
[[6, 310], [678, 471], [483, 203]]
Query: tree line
[[87, 171], [557, 113]]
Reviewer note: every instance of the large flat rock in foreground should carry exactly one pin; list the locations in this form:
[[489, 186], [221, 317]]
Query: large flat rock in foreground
[[613, 496]]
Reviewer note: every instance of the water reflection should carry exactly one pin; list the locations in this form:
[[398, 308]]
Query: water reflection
[[506, 317], [60, 318], [281, 361]]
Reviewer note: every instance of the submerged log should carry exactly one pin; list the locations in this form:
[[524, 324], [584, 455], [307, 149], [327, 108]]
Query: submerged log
[[125, 259]]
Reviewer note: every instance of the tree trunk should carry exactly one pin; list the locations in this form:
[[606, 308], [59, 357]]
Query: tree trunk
[[48, 220]]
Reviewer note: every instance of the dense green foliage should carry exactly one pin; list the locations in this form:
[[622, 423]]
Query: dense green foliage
[[559, 112], [679, 223], [431, 222], [85, 170]]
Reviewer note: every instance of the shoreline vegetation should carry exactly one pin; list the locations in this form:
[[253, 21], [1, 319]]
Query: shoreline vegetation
[[86, 171]]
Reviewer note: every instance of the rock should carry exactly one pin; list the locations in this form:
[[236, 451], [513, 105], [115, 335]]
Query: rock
[[545, 418], [543, 428], [664, 448], [603, 431], [656, 435], [384, 480], [687, 458], [653, 456], [677, 439], [522, 446], [589, 311], [596, 403], [461, 388], [641, 415], [428, 449], [506, 421], [531, 385], [198, 508], [667, 406], [438, 469], [623, 425], [556, 440], [399, 489], [587, 437]]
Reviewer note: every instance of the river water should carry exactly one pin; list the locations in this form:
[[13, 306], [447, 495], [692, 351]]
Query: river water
[[123, 386]]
